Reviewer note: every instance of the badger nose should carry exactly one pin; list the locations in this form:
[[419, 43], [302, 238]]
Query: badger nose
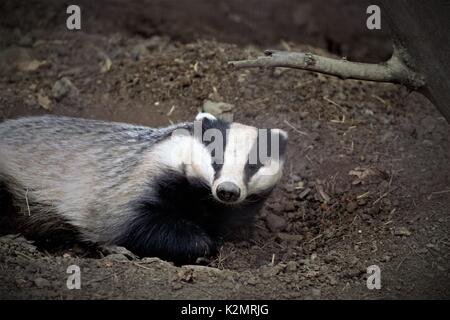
[[228, 191]]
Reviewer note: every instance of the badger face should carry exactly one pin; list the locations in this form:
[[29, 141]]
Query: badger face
[[244, 163]]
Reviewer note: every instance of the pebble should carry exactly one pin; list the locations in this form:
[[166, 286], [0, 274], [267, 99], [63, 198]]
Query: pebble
[[304, 193], [402, 231], [428, 124], [316, 293], [291, 266], [290, 237], [332, 280], [116, 257], [373, 210], [275, 223], [63, 87], [289, 206], [220, 110], [352, 206], [41, 282]]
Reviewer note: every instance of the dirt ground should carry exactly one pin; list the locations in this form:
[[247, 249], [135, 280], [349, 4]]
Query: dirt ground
[[367, 181]]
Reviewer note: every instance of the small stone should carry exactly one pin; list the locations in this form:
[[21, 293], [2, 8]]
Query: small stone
[[304, 261], [352, 206], [186, 275], [220, 110], [109, 250], [295, 238], [428, 124], [402, 231], [316, 293], [116, 257], [32, 65], [373, 210], [151, 260], [275, 223], [332, 280], [41, 282], [304, 193], [291, 266], [276, 207], [269, 272], [289, 207], [63, 87], [44, 101], [362, 202]]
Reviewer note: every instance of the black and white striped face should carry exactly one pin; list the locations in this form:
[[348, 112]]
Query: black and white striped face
[[245, 161]]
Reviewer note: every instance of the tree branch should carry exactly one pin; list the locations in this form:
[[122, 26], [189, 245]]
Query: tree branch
[[394, 70]]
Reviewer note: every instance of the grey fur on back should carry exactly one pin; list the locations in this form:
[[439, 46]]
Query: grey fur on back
[[104, 162]]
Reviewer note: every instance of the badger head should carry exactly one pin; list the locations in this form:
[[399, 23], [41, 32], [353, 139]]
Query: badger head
[[239, 163]]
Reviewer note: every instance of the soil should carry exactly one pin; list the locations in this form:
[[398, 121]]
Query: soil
[[367, 179]]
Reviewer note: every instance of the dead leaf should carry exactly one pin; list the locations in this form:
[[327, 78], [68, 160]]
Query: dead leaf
[[362, 173], [186, 275], [32, 65], [105, 65], [44, 101]]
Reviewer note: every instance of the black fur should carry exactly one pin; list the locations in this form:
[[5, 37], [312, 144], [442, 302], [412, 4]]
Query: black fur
[[222, 126], [181, 221], [6, 211]]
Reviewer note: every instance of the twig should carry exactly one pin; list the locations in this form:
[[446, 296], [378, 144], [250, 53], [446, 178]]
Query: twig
[[398, 266], [315, 238], [295, 129], [437, 193], [170, 111], [141, 266], [28, 205], [394, 70], [383, 195], [333, 103]]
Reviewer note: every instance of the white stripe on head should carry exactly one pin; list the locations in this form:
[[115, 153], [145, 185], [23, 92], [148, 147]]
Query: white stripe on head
[[266, 177], [239, 142], [203, 115]]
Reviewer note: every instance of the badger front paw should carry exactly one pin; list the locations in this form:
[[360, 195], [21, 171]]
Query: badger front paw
[[180, 241]]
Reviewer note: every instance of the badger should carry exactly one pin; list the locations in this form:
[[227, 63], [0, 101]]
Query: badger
[[175, 192]]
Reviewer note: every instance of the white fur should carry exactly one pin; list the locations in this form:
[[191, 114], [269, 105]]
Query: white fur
[[239, 143], [182, 151], [203, 115]]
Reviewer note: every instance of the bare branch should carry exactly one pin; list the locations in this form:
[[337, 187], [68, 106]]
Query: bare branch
[[394, 70]]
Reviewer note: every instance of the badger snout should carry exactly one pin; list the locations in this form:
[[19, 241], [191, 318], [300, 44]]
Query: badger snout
[[228, 192]]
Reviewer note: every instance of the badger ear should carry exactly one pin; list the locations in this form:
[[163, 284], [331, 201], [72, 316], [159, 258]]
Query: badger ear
[[283, 134], [205, 115]]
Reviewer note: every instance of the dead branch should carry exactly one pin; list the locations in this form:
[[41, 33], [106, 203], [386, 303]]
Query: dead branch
[[394, 70]]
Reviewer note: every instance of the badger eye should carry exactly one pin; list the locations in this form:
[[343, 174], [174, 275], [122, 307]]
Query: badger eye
[[216, 166], [252, 168]]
